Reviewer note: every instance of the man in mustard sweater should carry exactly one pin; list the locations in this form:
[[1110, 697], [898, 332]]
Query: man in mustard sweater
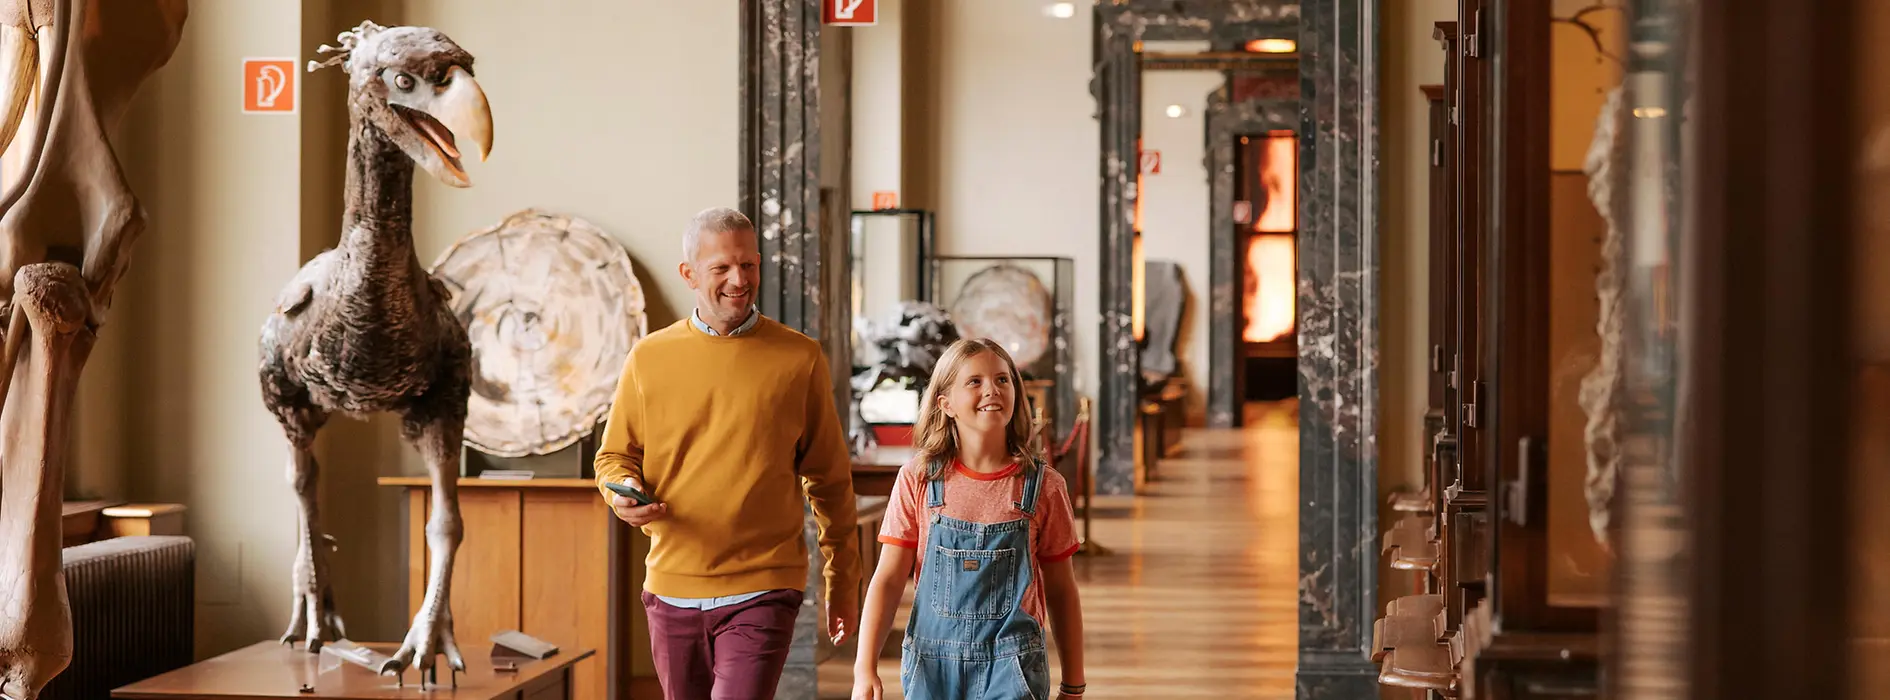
[[724, 419]]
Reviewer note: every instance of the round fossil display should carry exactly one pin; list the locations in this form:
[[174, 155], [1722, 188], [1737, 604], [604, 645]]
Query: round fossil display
[[1010, 305], [552, 307]]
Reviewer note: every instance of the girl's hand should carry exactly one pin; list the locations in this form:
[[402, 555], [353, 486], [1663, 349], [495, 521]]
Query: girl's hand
[[867, 687]]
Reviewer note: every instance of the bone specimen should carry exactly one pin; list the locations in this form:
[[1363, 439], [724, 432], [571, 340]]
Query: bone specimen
[[363, 328], [552, 306], [1010, 305], [68, 224]]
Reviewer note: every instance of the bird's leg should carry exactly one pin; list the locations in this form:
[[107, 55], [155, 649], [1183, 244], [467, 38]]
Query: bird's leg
[[313, 618], [35, 625], [438, 441]]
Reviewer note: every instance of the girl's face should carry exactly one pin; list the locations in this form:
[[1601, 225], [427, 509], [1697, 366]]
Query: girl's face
[[981, 397]]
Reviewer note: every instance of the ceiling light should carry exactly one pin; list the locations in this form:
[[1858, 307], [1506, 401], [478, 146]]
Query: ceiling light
[[1061, 10], [1272, 46], [1175, 111]]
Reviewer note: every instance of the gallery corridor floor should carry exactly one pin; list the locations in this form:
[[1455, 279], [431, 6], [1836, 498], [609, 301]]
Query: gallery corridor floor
[[1196, 597]]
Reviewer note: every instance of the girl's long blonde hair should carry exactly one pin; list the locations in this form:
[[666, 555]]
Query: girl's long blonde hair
[[935, 437]]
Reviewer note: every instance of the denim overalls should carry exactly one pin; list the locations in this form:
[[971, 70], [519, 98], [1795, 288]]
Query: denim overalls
[[969, 636]]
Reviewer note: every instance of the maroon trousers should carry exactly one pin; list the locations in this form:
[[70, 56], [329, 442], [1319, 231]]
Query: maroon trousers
[[734, 652]]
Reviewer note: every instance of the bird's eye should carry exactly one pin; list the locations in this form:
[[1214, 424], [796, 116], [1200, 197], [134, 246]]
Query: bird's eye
[[403, 81]]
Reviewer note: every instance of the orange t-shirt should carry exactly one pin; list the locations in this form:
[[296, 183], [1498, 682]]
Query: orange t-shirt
[[985, 498]]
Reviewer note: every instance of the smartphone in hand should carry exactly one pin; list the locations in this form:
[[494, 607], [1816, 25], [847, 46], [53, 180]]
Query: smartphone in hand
[[627, 491]]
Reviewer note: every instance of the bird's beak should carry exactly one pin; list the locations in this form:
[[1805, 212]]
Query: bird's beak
[[461, 106], [454, 111]]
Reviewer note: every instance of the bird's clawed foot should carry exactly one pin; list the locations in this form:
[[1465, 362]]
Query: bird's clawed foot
[[314, 620], [431, 635]]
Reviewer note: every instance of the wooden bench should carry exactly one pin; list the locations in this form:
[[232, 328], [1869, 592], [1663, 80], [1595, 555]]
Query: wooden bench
[[1162, 416], [871, 515]]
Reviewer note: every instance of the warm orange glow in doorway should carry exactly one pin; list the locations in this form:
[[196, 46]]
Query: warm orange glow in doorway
[[1279, 171], [1138, 290], [1268, 298], [1135, 256]]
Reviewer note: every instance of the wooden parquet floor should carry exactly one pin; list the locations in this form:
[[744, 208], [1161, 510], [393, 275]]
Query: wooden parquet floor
[[1196, 597]]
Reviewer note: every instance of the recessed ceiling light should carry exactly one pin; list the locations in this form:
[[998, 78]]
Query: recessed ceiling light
[[1061, 10], [1272, 46], [1175, 111]]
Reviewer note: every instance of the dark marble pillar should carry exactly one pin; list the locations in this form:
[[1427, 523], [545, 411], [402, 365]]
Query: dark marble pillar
[[1118, 92], [780, 191], [1338, 345], [780, 155]]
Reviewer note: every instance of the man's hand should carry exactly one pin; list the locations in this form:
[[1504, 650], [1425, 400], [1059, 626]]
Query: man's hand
[[628, 510], [841, 622]]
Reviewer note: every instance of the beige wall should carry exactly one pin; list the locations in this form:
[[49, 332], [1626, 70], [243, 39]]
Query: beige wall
[[175, 378], [1175, 206], [585, 123], [1011, 133], [878, 74]]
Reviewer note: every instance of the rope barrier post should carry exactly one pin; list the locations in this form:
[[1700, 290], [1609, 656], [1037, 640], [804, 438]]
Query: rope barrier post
[[1079, 441]]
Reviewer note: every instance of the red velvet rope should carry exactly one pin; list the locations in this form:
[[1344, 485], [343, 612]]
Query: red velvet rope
[[1063, 450]]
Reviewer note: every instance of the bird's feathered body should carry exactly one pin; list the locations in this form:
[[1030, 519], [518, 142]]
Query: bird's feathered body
[[363, 329]]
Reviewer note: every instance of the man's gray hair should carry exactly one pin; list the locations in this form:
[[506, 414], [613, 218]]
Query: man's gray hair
[[712, 220]]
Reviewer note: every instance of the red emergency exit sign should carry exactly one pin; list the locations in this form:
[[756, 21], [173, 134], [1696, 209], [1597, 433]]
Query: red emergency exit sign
[[849, 13]]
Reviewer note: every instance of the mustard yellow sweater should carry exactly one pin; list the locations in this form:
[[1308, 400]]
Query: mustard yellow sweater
[[729, 431]]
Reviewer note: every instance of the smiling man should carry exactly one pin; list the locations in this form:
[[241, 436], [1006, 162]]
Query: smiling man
[[724, 419]]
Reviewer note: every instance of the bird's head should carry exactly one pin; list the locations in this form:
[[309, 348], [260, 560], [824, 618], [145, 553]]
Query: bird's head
[[416, 86]]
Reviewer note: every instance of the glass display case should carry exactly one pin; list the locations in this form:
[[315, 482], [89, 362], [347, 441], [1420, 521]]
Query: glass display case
[[1024, 303], [890, 250]]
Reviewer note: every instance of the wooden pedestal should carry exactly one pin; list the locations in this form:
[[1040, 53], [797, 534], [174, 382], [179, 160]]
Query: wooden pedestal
[[547, 558], [269, 669]]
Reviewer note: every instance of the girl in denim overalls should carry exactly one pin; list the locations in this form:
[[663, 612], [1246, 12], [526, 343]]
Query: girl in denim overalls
[[990, 530]]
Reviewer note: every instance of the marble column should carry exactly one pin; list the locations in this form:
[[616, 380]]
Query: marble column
[[1338, 345], [780, 154], [780, 191], [1118, 93]]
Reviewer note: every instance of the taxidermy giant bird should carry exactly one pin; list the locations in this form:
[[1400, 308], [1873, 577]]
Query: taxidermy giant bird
[[67, 225], [364, 329]]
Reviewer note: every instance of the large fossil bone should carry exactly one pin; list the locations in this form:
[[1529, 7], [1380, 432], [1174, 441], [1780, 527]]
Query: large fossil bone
[[67, 226]]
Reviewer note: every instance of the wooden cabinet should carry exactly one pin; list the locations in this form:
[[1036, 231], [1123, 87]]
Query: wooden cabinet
[[545, 557], [1510, 576]]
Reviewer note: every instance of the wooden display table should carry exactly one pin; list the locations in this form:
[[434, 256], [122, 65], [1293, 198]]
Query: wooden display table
[[876, 470], [545, 557], [270, 669]]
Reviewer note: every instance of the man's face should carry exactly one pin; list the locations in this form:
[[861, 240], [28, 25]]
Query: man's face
[[724, 274]]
